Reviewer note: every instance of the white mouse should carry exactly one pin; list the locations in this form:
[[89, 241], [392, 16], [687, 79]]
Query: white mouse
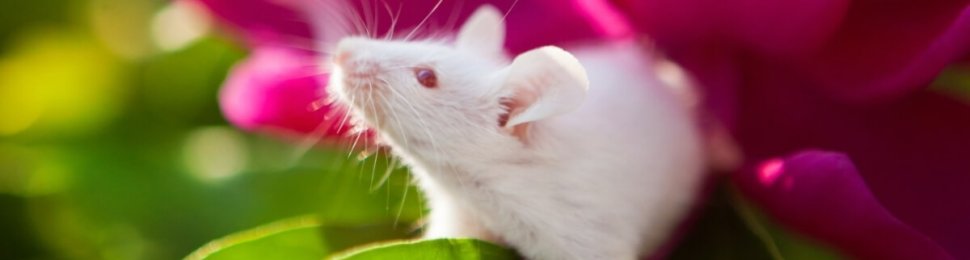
[[560, 156]]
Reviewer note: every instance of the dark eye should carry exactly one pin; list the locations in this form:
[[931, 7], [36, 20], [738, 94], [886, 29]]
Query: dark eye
[[426, 77]]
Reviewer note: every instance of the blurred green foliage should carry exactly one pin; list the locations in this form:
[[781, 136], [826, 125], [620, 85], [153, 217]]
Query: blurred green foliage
[[112, 147], [93, 158]]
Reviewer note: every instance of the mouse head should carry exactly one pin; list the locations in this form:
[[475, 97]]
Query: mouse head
[[455, 97]]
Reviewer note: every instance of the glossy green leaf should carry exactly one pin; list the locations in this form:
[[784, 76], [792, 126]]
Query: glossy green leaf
[[298, 238], [444, 249]]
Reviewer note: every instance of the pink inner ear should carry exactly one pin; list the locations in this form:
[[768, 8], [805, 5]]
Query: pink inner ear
[[507, 104], [513, 106]]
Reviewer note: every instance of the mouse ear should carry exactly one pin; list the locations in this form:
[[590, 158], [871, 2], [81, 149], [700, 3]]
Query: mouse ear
[[484, 31], [542, 83]]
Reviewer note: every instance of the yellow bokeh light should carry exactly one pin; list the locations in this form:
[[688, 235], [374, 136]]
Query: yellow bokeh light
[[179, 24], [58, 82], [121, 26], [214, 154], [20, 107]]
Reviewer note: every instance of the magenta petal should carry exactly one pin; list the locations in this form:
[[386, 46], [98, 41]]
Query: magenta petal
[[821, 195], [887, 49], [257, 20], [277, 90], [912, 153], [531, 23], [855, 50], [708, 36], [786, 28]]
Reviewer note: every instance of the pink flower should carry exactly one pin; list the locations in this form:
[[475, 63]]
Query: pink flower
[[839, 75], [787, 78], [276, 90]]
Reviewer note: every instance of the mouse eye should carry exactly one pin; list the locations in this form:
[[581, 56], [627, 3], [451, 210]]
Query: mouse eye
[[426, 77]]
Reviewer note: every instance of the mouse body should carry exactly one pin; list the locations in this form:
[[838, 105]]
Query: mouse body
[[578, 154]]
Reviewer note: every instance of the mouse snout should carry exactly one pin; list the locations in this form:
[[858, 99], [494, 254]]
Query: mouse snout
[[341, 57], [355, 64]]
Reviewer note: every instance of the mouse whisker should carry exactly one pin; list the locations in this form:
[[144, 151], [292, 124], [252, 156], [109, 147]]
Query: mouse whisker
[[378, 126], [340, 17], [423, 21], [391, 117], [377, 20], [354, 145], [436, 151], [397, 120], [452, 22], [389, 168], [512, 6], [311, 140], [404, 199], [357, 21], [313, 72], [394, 18], [301, 43], [376, 13], [387, 196], [369, 22], [347, 112], [332, 20]]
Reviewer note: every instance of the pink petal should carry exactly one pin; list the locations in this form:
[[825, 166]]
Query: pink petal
[[774, 27], [821, 195], [532, 23], [911, 153], [854, 50], [706, 36], [885, 50], [278, 90], [258, 20]]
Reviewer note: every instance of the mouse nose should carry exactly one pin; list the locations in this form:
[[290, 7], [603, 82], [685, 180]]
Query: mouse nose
[[342, 57], [345, 59], [346, 48], [351, 56]]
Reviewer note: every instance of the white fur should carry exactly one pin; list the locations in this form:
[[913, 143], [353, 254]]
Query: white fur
[[543, 83], [609, 180]]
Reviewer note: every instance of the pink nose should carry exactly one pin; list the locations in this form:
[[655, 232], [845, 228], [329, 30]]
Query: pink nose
[[342, 57]]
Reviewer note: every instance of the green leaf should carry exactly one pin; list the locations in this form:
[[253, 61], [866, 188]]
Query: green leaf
[[341, 237], [719, 233], [954, 81], [781, 243], [297, 238], [461, 249], [729, 227]]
